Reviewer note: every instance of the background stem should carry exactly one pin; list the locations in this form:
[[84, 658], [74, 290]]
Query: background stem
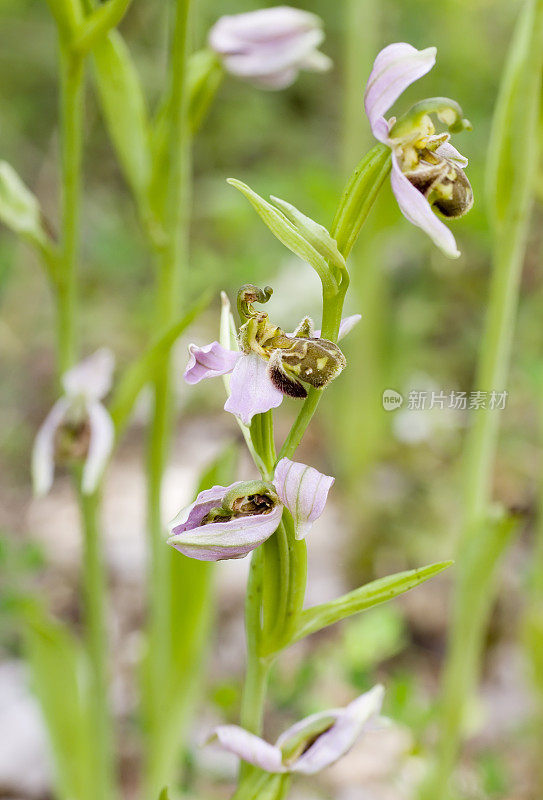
[[71, 125], [94, 580], [172, 261]]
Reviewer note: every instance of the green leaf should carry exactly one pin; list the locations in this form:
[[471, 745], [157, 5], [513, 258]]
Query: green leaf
[[141, 372], [58, 674], [204, 77], [289, 235], [378, 591], [205, 74], [514, 143], [124, 110], [359, 196]]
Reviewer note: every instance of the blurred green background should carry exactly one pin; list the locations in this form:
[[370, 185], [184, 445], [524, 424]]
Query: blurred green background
[[397, 493]]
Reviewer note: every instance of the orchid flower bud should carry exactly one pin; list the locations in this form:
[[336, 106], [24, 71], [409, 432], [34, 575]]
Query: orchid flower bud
[[269, 47], [310, 745]]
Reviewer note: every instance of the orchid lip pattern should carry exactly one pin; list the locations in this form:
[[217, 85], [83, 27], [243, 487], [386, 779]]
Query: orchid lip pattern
[[310, 745], [78, 427], [270, 46], [427, 171], [270, 363], [229, 522], [201, 532]]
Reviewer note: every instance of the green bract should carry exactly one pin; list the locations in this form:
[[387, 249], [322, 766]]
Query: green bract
[[19, 207], [305, 240]]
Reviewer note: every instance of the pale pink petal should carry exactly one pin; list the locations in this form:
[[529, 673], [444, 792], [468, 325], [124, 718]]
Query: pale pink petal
[[274, 57], [92, 377], [248, 747], [251, 390], [304, 491], [351, 722], [416, 208], [209, 361], [395, 68], [236, 32], [269, 46], [348, 324], [191, 516], [447, 150], [102, 436], [43, 453]]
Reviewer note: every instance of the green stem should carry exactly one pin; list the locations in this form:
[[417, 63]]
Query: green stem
[[360, 45], [172, 263], [71, 137], [303, 419], [258, 667], [263, 786], [99, 22], [94, 579], [297, 579], [277, 560], [71, 124]]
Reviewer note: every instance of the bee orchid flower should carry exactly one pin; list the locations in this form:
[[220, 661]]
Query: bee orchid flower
[[270, 363], [229, 522], [270, 46], [78, 428], [308, 746], [427, 171]]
